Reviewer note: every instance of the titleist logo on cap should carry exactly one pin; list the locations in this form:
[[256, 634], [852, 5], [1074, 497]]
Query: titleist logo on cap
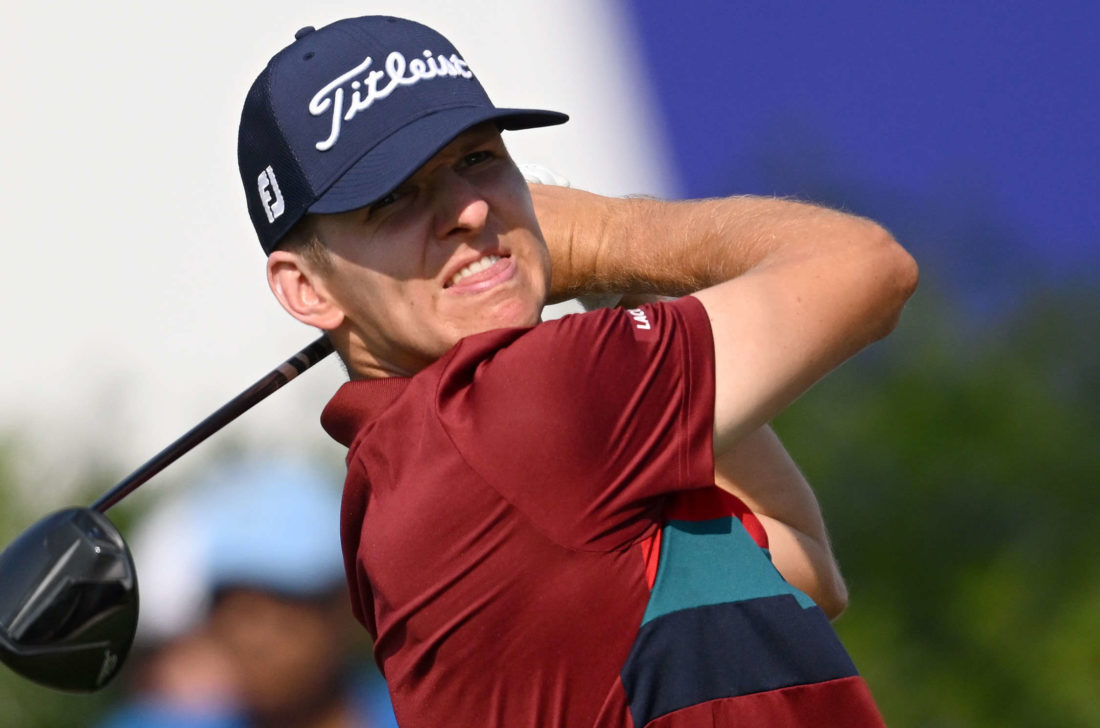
[[365, 90]]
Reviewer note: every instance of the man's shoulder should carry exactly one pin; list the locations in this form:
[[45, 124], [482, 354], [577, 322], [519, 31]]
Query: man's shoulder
[[645, 322], [516, 363]]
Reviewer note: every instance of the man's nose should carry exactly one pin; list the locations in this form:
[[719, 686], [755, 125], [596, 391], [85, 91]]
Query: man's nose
[[460, 208]]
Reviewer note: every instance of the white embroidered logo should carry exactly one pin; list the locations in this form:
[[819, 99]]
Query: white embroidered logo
[[270, 196], [365, 89], [640, 320]]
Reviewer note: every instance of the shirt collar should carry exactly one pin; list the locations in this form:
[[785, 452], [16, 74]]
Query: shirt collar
[[357, 403]]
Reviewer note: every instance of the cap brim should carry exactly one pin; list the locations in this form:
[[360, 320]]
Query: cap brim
[[396, 158]]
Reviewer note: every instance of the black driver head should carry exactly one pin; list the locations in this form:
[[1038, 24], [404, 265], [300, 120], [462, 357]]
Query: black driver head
[[68, 601]]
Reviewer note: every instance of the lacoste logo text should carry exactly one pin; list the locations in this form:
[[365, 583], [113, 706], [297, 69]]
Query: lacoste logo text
[[640, 320]]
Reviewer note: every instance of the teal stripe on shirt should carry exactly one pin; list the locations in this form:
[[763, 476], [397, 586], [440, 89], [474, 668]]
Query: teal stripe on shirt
[[712, 562]]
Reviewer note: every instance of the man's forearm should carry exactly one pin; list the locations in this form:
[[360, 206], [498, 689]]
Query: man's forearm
[[642, 245], [760, 472]]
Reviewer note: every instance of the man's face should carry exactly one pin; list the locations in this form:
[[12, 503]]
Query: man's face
[[454, 250]]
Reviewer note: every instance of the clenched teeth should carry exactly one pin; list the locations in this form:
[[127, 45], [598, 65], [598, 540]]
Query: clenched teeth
[[476, 267]]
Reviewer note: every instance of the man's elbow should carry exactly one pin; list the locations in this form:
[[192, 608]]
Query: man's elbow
[[895, 275], [833, 599]]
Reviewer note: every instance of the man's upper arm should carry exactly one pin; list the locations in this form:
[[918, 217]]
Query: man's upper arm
[[779, 328]]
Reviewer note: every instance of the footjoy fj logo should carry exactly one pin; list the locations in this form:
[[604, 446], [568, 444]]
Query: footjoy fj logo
[[365, 90], [270, 195]]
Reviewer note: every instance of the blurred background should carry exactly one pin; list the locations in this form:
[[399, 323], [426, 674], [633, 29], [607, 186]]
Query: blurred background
[[956, 461], [244, 619]]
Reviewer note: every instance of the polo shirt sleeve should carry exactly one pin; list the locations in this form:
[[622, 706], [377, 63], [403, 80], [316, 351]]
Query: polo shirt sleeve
[[587, 424]]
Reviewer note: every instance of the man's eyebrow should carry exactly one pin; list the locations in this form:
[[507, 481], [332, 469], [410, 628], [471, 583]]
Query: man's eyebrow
[[480, 133]]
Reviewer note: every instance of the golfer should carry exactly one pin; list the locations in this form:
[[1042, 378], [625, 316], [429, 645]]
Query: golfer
[[582, 522]]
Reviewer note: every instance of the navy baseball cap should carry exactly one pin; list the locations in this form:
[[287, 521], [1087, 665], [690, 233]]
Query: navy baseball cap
[[344, 114]]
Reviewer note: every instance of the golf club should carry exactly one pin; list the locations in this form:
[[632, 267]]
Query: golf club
[[68, 587]]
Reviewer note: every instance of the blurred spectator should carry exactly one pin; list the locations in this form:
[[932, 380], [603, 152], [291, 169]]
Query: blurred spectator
[[245, 622]]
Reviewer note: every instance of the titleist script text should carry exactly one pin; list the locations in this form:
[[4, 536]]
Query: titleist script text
[[365, 90]]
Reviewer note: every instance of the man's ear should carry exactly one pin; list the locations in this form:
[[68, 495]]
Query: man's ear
[[301, 291]]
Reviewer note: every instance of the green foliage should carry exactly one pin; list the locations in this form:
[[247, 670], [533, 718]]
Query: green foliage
[[957, 469]]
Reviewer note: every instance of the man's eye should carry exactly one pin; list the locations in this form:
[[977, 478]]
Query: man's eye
[[384, 201], [476, 158]]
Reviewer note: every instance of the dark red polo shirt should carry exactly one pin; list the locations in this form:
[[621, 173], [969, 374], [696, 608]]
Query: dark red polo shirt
[[503, 515]]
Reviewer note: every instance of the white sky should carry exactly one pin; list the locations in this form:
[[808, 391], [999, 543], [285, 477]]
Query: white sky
[[134, 301]]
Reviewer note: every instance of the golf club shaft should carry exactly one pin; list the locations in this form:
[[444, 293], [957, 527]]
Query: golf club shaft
[[228, 412]]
